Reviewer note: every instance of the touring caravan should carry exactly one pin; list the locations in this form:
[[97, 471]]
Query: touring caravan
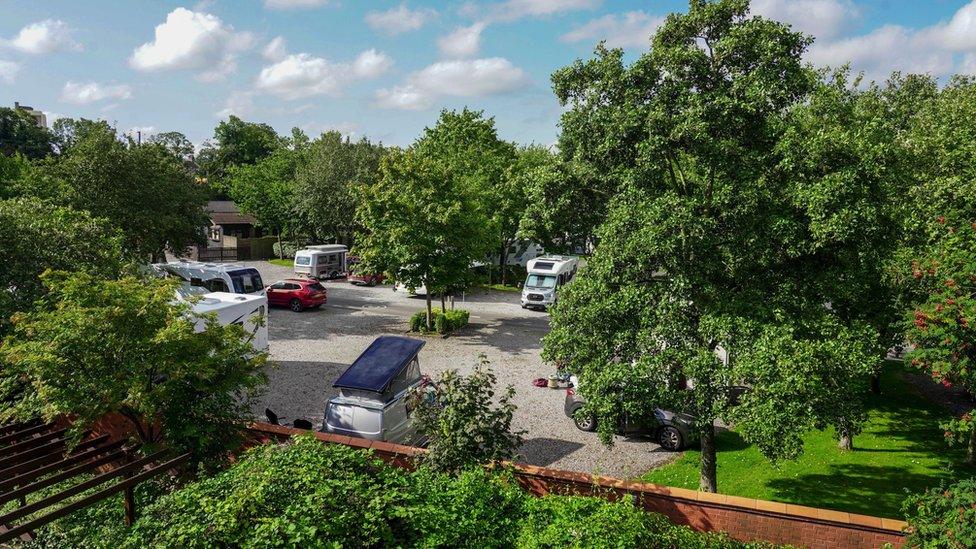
[[373, 396], [215, 277], [244, 310], [546, 275], [322, 261]]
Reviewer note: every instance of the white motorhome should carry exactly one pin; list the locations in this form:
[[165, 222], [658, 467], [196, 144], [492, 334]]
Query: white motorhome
[[546, 275], [215, 277], [244, 310], [322, 261]]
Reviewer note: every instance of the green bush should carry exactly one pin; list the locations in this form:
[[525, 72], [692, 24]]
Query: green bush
[[943, 517], [289, 249], [444, 321]]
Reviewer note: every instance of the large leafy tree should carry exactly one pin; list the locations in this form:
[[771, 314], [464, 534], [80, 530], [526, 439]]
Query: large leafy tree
[[423, 224], [124, 346], [562, 210], [36, 236], [176, 143], [235, 142], [144, 191], [68, 131], [702, 278], [19, 134], [266, 190], [329, 182]]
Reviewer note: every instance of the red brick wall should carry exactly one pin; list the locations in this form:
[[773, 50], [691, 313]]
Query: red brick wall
[[742, 518]]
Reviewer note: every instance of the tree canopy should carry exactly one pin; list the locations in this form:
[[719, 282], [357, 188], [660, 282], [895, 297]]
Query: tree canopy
[[20, 134]]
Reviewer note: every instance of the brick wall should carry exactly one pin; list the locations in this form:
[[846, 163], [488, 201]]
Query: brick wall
[[743, 518]]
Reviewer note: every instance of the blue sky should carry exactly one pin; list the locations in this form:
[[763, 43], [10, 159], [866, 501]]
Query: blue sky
[[384, 69]]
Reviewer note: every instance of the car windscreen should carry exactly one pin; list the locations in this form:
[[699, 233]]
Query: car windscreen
[[303, 260], [540, 281], [246, 281]]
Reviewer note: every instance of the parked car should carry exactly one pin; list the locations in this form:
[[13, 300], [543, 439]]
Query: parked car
[[672, 430], [373, 401], [354, 276], [297, 294]]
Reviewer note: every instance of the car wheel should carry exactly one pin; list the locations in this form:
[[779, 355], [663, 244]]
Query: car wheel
[[584, 422], [372, 282], [296, 305], [670, 438], [334, 275]]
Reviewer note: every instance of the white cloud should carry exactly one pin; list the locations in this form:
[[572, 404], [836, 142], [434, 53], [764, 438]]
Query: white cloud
[[462, 41], [628, 30], [46, 36], [8, 71], [824, 19], [90, 92], [290, 4], [276, 49], [399, 20], [458, 78], [938, 49], [303, 75], [192, 40], [513, 10], [240, 103]]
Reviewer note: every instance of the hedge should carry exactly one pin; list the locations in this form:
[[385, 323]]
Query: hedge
[[444, 321], [308, 494], [943, 516]]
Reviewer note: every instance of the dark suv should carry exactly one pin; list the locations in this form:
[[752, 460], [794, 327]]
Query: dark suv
[[673, 431]]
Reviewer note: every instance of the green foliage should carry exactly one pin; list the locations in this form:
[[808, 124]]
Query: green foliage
[[176, 143], [286, 249], [465, 423], [444, 321], [330, 181], [237, 143], [266, 190], [95, 347], [308, 494], [943, 517], [35, 236], [19, 134]]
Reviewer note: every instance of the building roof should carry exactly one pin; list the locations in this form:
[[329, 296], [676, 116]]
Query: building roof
[[225, 212], [386, 357]]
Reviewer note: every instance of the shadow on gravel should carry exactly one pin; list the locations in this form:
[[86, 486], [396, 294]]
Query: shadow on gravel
[[327, 322], [514, 336], [299, 389], [546, 451]]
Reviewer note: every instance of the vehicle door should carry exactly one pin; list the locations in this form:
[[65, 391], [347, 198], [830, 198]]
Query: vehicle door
[[275, 293]]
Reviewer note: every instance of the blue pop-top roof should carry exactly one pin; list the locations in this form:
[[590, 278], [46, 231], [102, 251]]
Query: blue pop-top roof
[[379, 363]]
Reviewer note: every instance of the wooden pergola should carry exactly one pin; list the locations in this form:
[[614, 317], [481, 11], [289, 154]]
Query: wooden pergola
[[37, 455]]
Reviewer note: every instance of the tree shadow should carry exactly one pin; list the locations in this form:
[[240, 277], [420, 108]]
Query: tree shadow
[[545, 451], [514, 336], [299, 390]]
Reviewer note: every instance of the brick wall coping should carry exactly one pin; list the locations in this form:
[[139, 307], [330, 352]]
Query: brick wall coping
[[705, 499]]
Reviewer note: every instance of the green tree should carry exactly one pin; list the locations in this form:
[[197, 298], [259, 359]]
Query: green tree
[[176, 143], [36, 236], [703, 276], [125, 346], [562, 211], [19, 134], [235, 143], [145, 191], [943, 517], [423, 225], [266, 190], [465, 424], [68, 131], [330, 181]]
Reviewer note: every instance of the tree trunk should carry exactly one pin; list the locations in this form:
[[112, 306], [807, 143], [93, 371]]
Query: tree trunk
[[281, 252], [971, 450], [443, 304], [503, 260], [846, 441], [429, 312], [707, 480], [876, 384]]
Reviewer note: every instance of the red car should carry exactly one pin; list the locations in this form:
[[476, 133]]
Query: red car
[[355, 277], [297, 294]]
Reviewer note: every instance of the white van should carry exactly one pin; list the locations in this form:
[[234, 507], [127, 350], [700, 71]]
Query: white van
[[236, 309], [545, 276], [373, 396], [322, 261], [215, 277]]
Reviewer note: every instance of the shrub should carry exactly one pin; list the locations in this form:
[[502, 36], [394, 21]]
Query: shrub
[[943, 517], [444, 321], [289, 249]]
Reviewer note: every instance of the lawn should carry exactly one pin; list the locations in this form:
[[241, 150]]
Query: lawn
[[282, 262], [501, 288], [900, 450]]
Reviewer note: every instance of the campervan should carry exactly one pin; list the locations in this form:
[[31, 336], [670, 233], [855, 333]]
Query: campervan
[[373, 396], [546, 275], [322, 261], [215, 277], [249, 311]]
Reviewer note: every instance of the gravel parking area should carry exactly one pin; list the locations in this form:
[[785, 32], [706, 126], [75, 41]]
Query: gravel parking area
[[313, 348]]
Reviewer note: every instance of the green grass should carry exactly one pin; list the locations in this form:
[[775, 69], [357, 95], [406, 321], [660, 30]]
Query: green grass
[[501, 288], [901, 450], [282, 262]]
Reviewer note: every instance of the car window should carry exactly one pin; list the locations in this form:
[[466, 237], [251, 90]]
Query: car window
[[291, 286], [541, 281], [246, 281], [278, 286], [217, 285], [316, 287], [303, 260]]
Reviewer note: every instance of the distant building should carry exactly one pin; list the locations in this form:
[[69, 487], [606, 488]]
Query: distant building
[[227, 220], [39, 117]]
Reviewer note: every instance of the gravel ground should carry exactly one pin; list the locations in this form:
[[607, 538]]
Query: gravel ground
[[313, 348]]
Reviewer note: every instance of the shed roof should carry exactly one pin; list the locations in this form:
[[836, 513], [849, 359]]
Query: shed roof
[[376, 367], [225, 212]]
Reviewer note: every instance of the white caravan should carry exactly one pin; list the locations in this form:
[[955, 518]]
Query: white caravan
[[546, 275], [215, 277], [244, 310], [322, 261]]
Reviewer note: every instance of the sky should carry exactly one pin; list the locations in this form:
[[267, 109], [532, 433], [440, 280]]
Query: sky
[[384, 69]]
